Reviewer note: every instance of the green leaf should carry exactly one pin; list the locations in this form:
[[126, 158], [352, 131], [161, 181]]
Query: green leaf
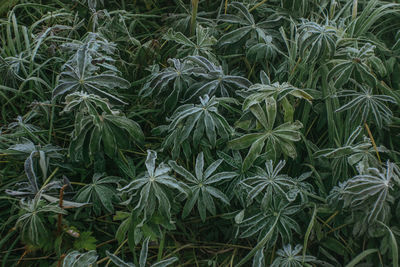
[[360, 257], [394, 246], [76, 259], [254, 152], [143, 252], [234, 36], [117, 261], [308, 232], [244, 141], [100, 192], [260, 244], [85, 241], [334, 245]]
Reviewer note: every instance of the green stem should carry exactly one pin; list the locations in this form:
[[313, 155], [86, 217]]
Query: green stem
[[323, 200], [161, 247], [354, 11], [50, 177], [328, 104], [308, 232], [195, 5], [257, 5], [51, 120]]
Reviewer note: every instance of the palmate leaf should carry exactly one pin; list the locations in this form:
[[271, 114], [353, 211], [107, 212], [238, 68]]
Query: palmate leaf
[[153, 187], [289, 257], [269, 183], [319, 40], [235, 164], [190, 124], [179, 73], [359, 64], [351, 152], [370, 192], [247, 25], [202, 186], [213, 80], [107, 131], [33, 223], [335, 197], [262, 50], [260, 92], [100, 193], [99, 50], [90, 103], [365, 105], [79, 74], [300, 188], [373, 12], [279, 211], [37, 157], [26, 147], [275, 140], [202, 46], [98, 126], [22, 125]]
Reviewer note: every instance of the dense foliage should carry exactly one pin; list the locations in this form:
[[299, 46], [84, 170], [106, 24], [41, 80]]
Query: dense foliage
[[199, 133]]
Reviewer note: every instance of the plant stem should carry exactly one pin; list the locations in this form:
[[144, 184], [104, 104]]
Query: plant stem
[[60, 203], [51, 120], [161, 247], [354, 11], [195, 5], [115, 253], [257, 5], [50, 177], [372, 141]]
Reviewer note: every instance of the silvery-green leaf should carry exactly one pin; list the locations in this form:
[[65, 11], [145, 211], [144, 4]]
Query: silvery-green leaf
[[76, 259]]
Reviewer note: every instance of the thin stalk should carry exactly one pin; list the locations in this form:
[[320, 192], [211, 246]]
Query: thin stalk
[[328, 104], [22, 256], [115, 253], [341, 238], [50, 177], [257, 5], [331, 217], [354, 11], [272, 254], [308, 232], [372, 141], [60, 203], [337, 228], [51, 120], [60, 261], [161, 247], [195, 5], [323, 200], [233, 256]]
